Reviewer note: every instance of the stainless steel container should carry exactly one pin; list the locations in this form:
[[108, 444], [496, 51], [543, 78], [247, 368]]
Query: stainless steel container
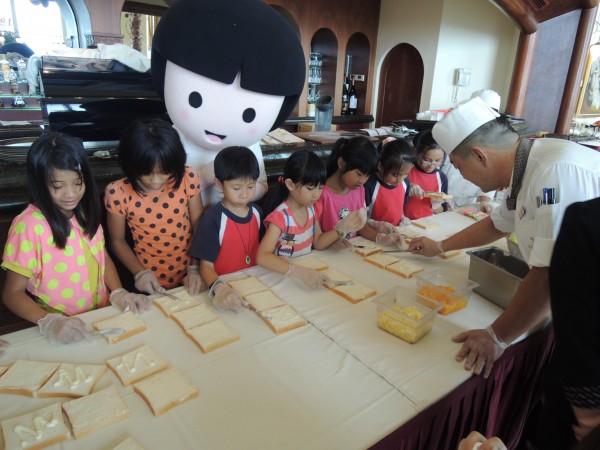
[[497, 273]]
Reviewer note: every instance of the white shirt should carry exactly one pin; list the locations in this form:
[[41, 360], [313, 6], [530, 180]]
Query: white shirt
[[573, 170]]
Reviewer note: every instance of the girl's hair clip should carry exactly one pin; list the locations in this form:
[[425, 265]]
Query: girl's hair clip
[[280, 180]]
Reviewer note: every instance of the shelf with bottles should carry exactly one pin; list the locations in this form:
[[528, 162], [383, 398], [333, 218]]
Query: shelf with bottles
[[323, 60], [356, 73]]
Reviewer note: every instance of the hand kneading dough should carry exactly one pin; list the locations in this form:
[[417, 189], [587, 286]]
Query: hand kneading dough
[[36, 430]]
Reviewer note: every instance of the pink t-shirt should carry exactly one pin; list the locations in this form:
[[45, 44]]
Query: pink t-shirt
[[60, 278], [332, 207], [294, 240]]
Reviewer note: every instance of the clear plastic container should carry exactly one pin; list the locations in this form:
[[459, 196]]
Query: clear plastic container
[[400, 313], [451, 293]]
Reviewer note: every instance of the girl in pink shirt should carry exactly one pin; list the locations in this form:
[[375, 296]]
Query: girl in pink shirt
[[55, 259]]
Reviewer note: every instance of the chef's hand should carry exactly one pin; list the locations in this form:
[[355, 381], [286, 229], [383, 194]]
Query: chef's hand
[[61, 329], [416, 191], [226, 298], [311, 277], [128, 301], [381, 226], [587, 420], [146, 281], [478, 441], [3, 346], [425, 247], [479, 351], [193, 282]]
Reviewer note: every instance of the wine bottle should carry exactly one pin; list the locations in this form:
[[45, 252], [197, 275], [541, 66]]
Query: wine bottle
[[345, 99], [352, 99]]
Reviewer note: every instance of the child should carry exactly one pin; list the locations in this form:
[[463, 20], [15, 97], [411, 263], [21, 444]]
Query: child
[[55, 259], [291, 225], [159, 200], [227, 238], [386, 191], [426, 177]]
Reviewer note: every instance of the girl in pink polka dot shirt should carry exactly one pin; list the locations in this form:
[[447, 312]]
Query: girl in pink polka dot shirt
[[55, 259]]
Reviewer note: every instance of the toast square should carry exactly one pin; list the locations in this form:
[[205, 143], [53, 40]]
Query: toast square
[[35, 430], [264, 300], [426, 224], [137, 364], [3, 369], [405, 269], [72, 380], [381, 260], [131, 323], [335, 276], [95, 411], [248, 286], [439, 195], [26, 377], [129, 444], [168, 305], [311, 262], [410, 233], [212, 335], [194, 316], [354, 292], [165, 390], [365, 247], [282, 319]]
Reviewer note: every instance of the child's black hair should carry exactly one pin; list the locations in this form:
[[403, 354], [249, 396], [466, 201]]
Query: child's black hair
[[302, 167], [234, 163], [147, 143], [57, 151], [357, 152], [394, 154], [424, 142]]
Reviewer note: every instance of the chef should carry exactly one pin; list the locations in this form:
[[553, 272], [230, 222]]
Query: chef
[[543, 176]]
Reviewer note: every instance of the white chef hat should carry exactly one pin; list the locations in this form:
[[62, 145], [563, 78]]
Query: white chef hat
[[491, 98], [460, 122]]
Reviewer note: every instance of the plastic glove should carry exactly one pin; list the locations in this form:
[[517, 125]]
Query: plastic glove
[[342, 245], [393, 239], [3, 346], [405, 221], [128, 301], [381, 226], [436, 203], [310, 277], [479, 351], [61, 329], [475, 441], [485, 207], [226, 298], [193, 282], [416, 191], [352, 222], [146, 281]]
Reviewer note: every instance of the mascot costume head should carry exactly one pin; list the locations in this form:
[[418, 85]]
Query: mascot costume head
[[229, 72]]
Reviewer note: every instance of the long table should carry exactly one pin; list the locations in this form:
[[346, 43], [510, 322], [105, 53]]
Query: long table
[[338, 383]]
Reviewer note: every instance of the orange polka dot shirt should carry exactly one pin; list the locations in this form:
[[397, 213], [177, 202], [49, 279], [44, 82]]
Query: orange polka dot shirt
[[160, 224]]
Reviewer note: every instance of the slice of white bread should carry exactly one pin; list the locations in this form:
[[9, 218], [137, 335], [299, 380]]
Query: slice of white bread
[[410, 233], [131, 323], [94, 411], [3, 369], [26, 377], [194, 316], [248, 286], [165, 390], [282, 319], [311, 262], [168, 305], [440, 195], [365, 247], [129, 444], [35, 430], [212, 335], [354, 292], [335, 276], [405, 269], [72, 380], [424, 223], [137, 364], [264, 300], [381, 260]]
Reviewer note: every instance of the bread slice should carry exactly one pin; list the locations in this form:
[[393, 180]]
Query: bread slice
[[439, 195], [194, 317], [248, 286], [354, 292], [26, 377], [335, 276], [381, 260], [282, 319], [311, 262], [365, 247], [38, 429], [426, 224], [165, 390], [212, 335], [72, 380], [129, 444], [168, 305], [95, 411], [410, 233], [137, 364], [131, 323], [404, 268], [3, 369], [264, 300]]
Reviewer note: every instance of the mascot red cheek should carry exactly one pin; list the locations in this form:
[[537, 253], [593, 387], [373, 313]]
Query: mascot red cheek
[[229, 72]]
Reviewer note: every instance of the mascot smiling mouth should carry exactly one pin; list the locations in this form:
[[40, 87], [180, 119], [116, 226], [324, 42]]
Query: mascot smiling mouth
[[214, 137]]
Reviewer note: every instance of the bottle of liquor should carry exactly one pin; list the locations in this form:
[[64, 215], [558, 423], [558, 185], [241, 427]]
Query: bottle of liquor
[[352, 98], [345, 99]]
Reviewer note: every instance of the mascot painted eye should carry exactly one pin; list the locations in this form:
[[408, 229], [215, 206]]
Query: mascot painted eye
[[237, 59]]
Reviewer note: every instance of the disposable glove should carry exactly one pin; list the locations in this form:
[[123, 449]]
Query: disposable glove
[[310, 277], [128, 301], [416, 191], [393, 239], [352, 222], [485, 207], [3, 346], [193, 282], [225, 297], [381, 226], [436, 203], [405, 221], [342, 245], [61, 329], [146, 281]]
